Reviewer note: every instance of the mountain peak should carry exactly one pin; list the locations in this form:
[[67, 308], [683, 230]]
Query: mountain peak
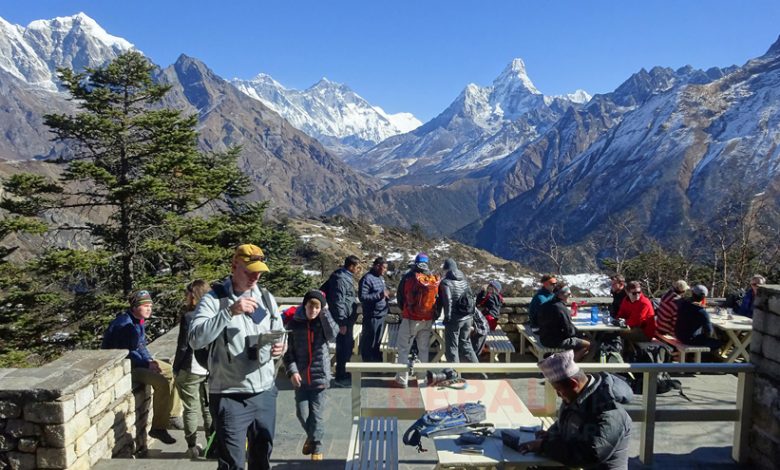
[[774, 49], [515, 74], [83, 22]]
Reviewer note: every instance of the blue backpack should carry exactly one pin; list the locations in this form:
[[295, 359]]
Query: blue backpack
[[454, 419]]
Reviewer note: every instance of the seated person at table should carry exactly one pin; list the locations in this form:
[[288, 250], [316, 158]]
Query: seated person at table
[[667, 309], [489, 302], [544, 294], [746, 308], [593, 429], [693, 322], [556, 329], [618, 291], [637, 311]]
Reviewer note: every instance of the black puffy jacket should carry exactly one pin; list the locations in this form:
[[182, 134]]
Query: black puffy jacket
[[307, 348], [593, 431]]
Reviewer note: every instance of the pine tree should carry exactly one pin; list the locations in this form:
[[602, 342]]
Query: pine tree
[[143, 206]]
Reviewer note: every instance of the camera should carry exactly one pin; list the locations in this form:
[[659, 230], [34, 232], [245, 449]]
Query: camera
[[434, 378]]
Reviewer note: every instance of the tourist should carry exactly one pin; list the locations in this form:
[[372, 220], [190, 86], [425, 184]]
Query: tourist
[[191, 377], [239, 323]]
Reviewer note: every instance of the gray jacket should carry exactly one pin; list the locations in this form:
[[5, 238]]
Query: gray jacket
[[232, 369], [451, 289], [593, 431]]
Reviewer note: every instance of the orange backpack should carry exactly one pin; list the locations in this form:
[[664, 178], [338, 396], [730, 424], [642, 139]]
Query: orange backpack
[[420, 293]]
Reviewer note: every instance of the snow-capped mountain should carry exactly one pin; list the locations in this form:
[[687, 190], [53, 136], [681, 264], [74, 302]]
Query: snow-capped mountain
[[34, 53], [482, 125], [668, 150], [330, 112]]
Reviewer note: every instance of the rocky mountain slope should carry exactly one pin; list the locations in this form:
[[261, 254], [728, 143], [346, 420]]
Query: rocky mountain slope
[[668, 148]]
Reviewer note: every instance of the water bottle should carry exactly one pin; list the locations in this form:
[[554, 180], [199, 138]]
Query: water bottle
[[574, 309], [594, 315]]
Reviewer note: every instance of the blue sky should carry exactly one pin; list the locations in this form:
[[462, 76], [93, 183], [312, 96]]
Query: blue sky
[[418, 55]]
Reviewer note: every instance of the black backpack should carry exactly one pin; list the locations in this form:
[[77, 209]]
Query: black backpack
[[655, 354], [466, 303], [202, 355]]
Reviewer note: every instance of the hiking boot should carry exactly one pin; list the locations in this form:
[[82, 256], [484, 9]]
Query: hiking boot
[[175, 422], [398, 384], [342, 383], [194, 452], [162, 436], [308, 447]]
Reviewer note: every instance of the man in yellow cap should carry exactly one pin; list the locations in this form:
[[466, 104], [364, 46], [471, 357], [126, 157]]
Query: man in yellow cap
[[239, 323]]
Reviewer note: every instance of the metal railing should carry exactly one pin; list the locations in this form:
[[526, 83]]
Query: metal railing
[[647, 415]]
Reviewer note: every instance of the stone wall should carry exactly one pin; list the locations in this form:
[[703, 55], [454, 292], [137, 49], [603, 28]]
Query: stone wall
[[70, 413], [764, 438]]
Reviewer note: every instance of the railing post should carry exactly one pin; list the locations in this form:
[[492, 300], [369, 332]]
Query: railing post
[[648, 425], [739, 450], [356, 383]]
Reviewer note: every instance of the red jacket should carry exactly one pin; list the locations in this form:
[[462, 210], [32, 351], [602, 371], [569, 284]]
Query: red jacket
[[638, 314]]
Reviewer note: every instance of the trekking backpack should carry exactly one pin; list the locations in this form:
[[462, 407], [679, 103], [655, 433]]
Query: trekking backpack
[[466, 303], [454, 419], [655, 354], [420, 293], [202, 355]]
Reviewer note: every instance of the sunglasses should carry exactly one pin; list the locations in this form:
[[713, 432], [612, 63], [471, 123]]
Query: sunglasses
[[635, 292], [253, 258]]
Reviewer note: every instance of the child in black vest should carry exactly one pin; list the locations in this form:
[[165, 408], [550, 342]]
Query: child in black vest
[[307, 362]]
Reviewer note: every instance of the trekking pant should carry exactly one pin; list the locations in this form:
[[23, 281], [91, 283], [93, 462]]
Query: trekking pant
[[371, 337], [411, 330], [456, 340], [246, 424], [309, 406], [165, 401], [193, 390], [344, 345]]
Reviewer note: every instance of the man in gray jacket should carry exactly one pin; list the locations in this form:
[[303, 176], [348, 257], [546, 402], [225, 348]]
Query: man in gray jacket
[[239, 323], [458, 304], [592, 430]]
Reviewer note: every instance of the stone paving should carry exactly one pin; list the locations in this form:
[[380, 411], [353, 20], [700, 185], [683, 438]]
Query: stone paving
[[677, 445]]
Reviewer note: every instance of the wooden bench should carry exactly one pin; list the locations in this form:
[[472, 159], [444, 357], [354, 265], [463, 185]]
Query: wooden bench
[[683, 348], [498, 343], [388, 345], [529, 341], [373, 444]]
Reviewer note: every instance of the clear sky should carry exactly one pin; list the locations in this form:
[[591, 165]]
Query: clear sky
[[417, 55]]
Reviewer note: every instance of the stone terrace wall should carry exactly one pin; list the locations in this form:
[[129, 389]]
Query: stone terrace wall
[[765, 354], [69, 413]]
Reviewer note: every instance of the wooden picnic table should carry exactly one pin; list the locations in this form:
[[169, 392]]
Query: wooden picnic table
[[504, 409], [739, 330]]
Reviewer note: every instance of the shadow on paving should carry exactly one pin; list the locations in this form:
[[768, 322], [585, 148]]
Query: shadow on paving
[[704, 458]]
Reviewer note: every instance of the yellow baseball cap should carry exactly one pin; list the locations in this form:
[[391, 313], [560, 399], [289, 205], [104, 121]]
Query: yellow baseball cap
[[253, 258]]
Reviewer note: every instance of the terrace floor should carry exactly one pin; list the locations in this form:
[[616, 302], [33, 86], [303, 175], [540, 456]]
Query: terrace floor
[[695, 445]]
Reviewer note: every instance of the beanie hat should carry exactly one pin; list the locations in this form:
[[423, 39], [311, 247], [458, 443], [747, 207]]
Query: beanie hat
[[680, 286], [421, 258], [559, 366], [450, 265], [141, 297], [314, 294], [496, 285], [699, 289]]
